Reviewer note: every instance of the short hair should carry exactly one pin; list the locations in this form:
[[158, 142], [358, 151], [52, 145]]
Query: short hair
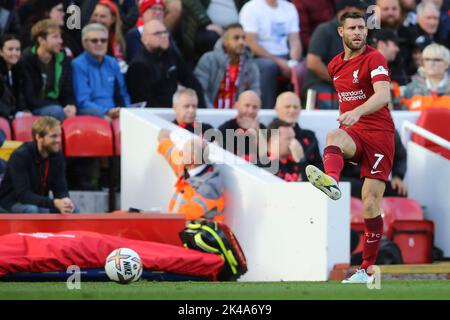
[[234, 25], [93, 27], [181, 92], [275, 125], [437, 50], [423, 5], [43, 125], [42, 28], [350, 15], [7, 37]]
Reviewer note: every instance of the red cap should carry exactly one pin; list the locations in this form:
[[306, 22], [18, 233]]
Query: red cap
[[145, 4], [111, 5]]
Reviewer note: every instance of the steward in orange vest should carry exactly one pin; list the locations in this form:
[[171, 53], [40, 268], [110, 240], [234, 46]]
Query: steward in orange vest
[[199, 190]]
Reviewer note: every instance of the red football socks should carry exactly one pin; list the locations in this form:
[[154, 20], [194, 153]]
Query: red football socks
[[333, 161], [372, 240]]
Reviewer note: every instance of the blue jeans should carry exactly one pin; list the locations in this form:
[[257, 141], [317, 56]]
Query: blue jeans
[[28, 208], [55, 111], [31, 208], [268, 71], [90, 112]]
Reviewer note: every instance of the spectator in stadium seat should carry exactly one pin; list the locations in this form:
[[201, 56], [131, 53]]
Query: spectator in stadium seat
[[396, 187], [199, 189], [283, 152], [242, 135], [385, 41], [324, 46], [157, 70], [128, 11], [420, 35], [272, 33], [430, 87], [97, 79], [55, 10], [227, 71], [288, 109], [48, 81], [204, 22], [107, 13], [35, 169], [148, 10], [311, 14], [12, 99], [185, 102]]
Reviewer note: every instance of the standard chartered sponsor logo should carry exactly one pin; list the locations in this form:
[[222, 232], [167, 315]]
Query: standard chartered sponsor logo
[[351, 95]]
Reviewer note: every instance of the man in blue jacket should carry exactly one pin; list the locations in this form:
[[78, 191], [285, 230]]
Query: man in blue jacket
[[99, 86], [34, 169]]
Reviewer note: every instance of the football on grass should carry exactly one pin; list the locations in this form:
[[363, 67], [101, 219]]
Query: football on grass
[[123, 265]]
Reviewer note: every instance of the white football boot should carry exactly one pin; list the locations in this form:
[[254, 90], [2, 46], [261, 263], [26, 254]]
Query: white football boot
[[360, 276], [323, 182]]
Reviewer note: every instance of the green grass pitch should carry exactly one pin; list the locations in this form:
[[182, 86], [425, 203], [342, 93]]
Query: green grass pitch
[[418, 289]]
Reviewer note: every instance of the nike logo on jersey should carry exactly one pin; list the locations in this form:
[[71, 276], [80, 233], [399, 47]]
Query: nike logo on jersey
[[371, 241], [373, 172], [335, 78]]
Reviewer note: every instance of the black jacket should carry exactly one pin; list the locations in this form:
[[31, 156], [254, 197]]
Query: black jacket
[[25, 175], [154, 77], [34, 82], [12, 98]]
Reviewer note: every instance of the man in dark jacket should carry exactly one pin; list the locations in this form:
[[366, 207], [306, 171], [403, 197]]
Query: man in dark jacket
[[306, 146], [34, 169], [154, 74], [48, 81]]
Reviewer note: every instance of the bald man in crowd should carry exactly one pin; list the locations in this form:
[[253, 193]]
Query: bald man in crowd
[[241, 135], [287, 108], [157, 70]]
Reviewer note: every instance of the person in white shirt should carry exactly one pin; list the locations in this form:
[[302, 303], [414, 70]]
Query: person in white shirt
[[273, 35]]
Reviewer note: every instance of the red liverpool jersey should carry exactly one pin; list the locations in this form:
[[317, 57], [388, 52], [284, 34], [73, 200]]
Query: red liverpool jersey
[[353, 80]]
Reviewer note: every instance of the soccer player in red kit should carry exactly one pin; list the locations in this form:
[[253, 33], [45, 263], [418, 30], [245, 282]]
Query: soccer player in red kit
[[366, 131]]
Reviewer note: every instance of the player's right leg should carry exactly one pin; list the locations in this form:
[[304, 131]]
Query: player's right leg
[[339, 146]]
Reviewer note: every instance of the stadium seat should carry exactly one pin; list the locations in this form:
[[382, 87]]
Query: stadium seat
[[356, 212], [399, 209], [435, 120], [21, 128], [415, 240], [87, 136], [4, 125], [115, 125], [326, 97]]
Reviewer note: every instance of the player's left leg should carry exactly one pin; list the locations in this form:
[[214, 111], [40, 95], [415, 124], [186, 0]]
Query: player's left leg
[[372, 195]]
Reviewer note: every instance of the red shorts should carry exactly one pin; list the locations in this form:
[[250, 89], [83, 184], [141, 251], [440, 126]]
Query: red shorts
[[374, 151]]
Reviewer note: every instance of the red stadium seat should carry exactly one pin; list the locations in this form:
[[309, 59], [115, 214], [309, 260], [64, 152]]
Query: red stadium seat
[[115, 125], [87, 136], [4, 125], [435, 120], [21, 128], [356, 212], [415, 240], [400, 209]]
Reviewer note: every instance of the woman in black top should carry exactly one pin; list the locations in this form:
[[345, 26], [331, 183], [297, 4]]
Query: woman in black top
[[11, 77]]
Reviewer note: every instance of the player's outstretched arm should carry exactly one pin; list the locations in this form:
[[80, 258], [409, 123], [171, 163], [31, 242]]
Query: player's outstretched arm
[[381, 97]]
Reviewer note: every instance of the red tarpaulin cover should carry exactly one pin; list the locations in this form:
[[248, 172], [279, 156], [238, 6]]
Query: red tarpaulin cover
[[43, 252]]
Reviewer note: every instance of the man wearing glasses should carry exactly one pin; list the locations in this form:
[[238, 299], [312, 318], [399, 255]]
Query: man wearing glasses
[[157, 70], [99, 86]]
